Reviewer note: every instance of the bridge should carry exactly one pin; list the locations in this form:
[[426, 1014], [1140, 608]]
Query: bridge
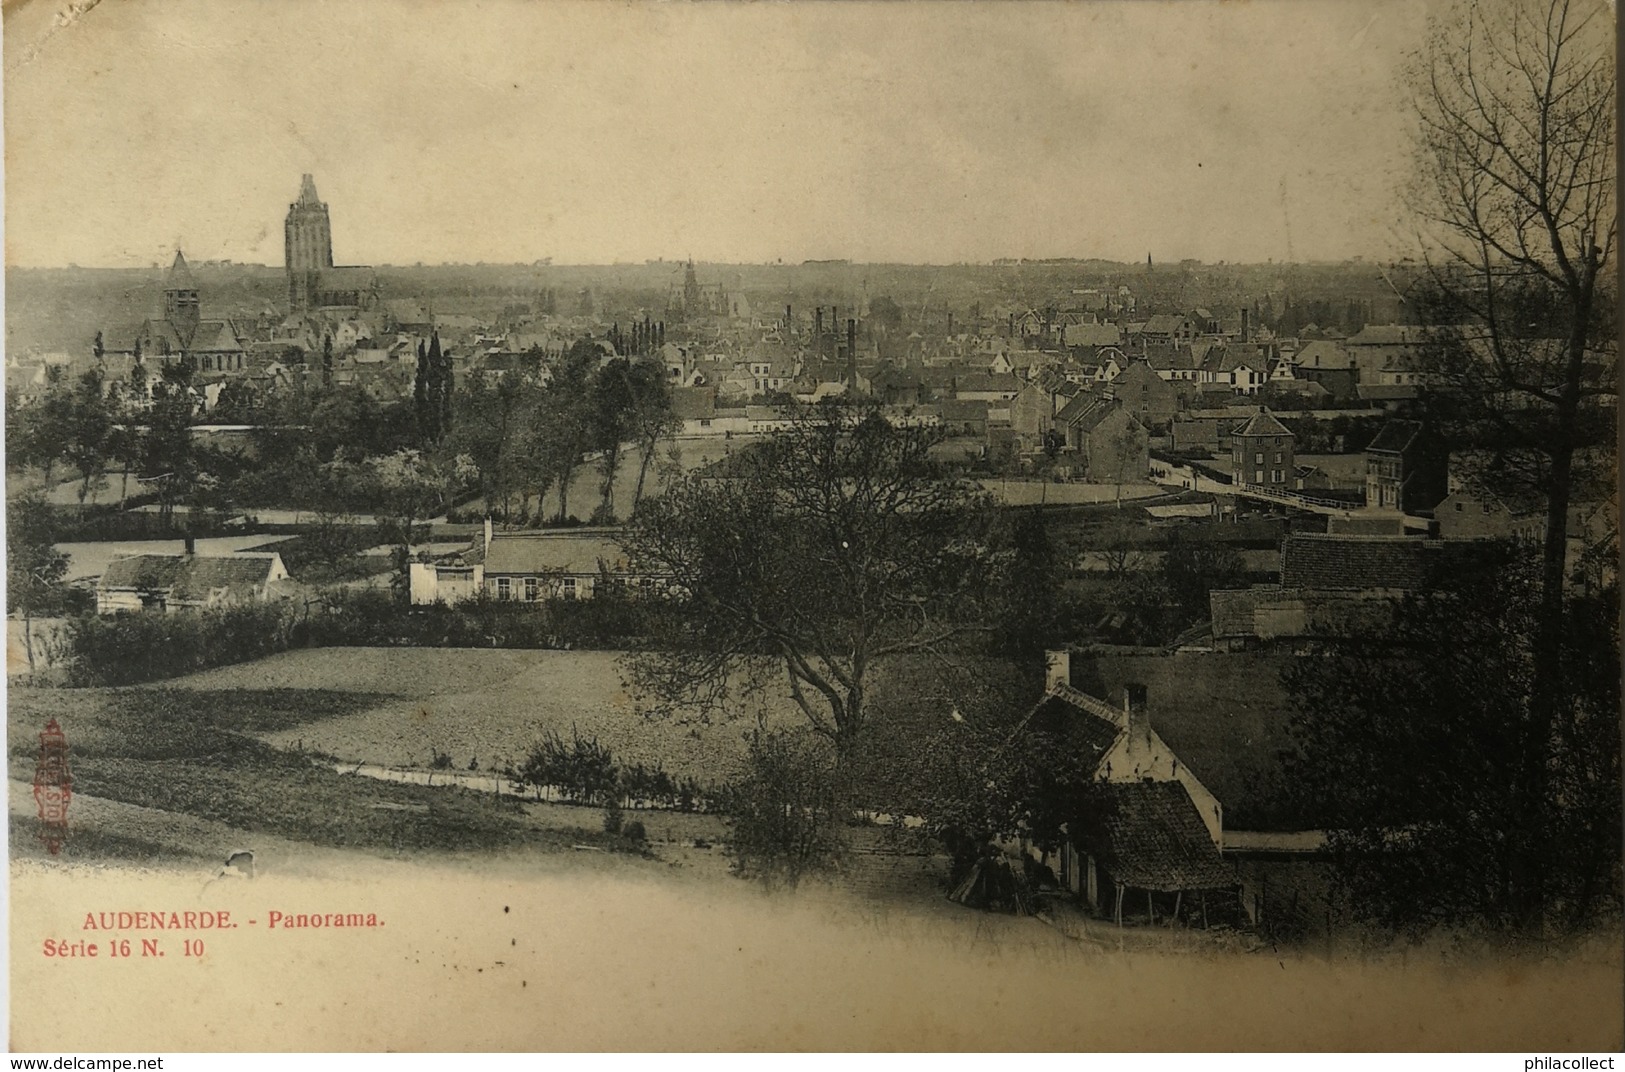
[[1184, 477]]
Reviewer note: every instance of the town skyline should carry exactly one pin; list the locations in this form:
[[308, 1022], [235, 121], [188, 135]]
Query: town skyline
[[874, 134]]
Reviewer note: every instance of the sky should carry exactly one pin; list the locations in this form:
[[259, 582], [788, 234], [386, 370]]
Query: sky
[[511, 131]]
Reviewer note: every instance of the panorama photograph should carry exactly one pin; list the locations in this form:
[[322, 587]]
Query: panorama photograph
[[829, 526]]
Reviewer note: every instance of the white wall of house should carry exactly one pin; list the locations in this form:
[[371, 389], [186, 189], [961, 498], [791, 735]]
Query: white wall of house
[[432, 583]]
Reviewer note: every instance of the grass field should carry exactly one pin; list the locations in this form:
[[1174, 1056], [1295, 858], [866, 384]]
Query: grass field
[[401, 706], [198, 753]]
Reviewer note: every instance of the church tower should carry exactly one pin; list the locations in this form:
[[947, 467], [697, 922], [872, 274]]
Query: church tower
[[181, 306], [308, 245]]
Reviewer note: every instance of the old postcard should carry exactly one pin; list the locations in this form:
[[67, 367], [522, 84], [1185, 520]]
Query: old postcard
[[862, 526]]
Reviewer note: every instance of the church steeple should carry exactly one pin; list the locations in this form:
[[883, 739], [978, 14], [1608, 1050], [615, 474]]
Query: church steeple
[[308, 245], [181, 307]]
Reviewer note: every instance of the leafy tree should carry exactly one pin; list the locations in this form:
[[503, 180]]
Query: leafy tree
[[1408, 746], [1032, 616], [1192, 569], [610, 407], [652, 419], [1516, 194], [407, 488], [38, 432], [89, 432], [834, 546], [34, 567], [489, 422], [171, 461]]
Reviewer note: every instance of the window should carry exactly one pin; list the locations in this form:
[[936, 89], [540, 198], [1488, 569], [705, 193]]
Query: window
[[1258, 458], [1458, 507], [1258, 477], [569, 588], [533, 588], [504, 588], [1278, 458], [1277, 440], [1486, 508], [1275, 476]]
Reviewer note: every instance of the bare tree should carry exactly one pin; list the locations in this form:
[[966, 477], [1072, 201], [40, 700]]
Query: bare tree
[[1516, 196], [816, 557]]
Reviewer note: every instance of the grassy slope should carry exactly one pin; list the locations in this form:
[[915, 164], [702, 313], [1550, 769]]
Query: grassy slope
[[188, 752]]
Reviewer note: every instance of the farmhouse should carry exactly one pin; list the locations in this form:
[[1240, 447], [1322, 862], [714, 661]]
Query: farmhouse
[[1149, 824], [530, 567], [167, 583]]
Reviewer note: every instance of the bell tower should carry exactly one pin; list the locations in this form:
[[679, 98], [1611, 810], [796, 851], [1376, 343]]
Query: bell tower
[[307, 245], [181, 307]]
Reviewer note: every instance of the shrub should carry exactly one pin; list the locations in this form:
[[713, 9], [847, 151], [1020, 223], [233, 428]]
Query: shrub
[[613, 817], [634, 832], [581, 770], [788, 811], [126, 649]]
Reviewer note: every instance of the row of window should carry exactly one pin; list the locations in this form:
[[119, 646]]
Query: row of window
[[533, 588], [530, 588]]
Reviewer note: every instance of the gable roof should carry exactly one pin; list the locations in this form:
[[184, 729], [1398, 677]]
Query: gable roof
[[554, 552], [1343, 562], [1396, 436], [192, 577], [215, 336], [1387, 335], [693, 403], [1151, 837], [1078, 719], [1164, 324]]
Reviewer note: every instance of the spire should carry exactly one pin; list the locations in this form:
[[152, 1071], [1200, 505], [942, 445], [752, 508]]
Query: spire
[[307, 190], [180, 276]]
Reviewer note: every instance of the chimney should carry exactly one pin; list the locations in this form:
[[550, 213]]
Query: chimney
[[488, 533], [852, 351], [818, 326], [1246, 333], [191, 544], [1057, 669], [787, 321], [1137, 717], [950, 324]]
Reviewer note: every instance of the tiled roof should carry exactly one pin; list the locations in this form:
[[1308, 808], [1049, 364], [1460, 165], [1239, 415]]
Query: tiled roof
[[1316, 560], [190, 577], [1151, 837], [1324, 355], [554, 553], [1395, 436], [693, 403], [964, 409], [1086, 732], [1387, 335], [1163, 324], [1386, 392], [1093, 334], [990, 381], [1263, 423], [1232, 609], [215, 336]]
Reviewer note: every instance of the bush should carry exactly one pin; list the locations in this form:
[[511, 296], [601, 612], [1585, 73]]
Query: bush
[[788, 811], [581, 770], [634, 832], [126, 649], [613, 817]]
